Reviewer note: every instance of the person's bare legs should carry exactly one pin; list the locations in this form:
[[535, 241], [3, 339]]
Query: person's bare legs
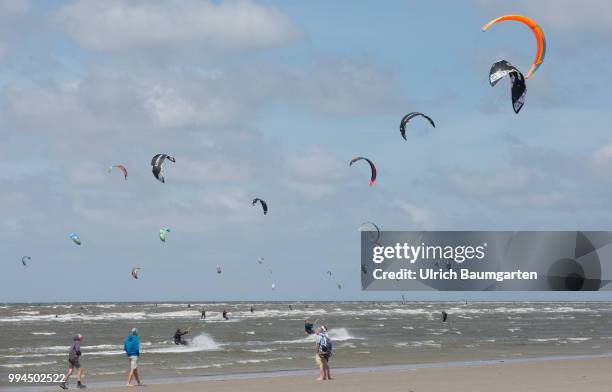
[[79, 373], [66, 378], [327, 372], [130, 375], [321, 373], [136, 376]]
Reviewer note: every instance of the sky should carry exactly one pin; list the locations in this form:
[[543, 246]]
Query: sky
[[272, 99]]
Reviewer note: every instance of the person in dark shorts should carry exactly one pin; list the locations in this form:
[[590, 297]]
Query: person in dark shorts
[[74, 355]]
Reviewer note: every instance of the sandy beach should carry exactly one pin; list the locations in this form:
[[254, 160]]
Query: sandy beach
[[583, 374]]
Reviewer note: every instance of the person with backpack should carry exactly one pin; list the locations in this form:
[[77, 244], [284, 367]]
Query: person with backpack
[[74, 354], [132, 349], [323, 351]]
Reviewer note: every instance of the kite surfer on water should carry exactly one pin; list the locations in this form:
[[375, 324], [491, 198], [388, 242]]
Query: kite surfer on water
[[178, 337]]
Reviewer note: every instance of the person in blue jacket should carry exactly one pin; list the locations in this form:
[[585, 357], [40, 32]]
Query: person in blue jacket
[[131, 347]]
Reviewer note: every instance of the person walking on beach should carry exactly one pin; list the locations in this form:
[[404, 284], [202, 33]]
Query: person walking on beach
[[74, 354], [323, 350], [132, 349]]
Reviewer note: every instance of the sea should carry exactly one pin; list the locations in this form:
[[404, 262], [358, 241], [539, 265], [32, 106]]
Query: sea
[[35, 338]]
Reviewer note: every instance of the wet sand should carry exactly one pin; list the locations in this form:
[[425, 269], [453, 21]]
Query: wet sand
[[551, 375]]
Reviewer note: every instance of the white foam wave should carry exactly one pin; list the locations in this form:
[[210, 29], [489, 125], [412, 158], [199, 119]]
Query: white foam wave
[[31, 364], [422, 343], [202, 342], [340, 334]]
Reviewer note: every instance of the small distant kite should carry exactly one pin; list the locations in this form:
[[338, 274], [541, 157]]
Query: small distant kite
[[75, 238], [162, 233], [261, 260], [121, 168], [157, 163], [537, 33], [273, 286], [25, 260], [372, 167], [329, 273], [218, 269], [135, 271], [518, 90], [339, 286], [264, 205], [408, 117]]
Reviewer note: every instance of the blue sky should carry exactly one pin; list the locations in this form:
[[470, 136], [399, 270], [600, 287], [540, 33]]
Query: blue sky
[[271, 99]]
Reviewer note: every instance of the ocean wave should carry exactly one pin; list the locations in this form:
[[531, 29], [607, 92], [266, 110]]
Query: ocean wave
[[29, 364], [202, 342], [419, 343], [543, 340], [578, 340]]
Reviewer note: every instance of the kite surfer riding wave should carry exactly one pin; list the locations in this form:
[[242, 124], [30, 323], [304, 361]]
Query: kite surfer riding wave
[[178, 337]]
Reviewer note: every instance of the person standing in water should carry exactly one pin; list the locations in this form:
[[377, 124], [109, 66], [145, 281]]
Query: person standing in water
[[252, 309], [225, 316], [74, 354], [132, 350], [203, 316]]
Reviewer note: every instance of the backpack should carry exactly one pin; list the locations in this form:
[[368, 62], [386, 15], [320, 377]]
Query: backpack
[[325, 344]]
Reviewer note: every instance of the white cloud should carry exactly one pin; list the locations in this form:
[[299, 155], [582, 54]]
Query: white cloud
[[211, 170], [314, 164], [571, 14], [11, 8], [111, 99], [419, 215], [116, 25], [603, 155], [313, 172], [560, 14], [341, 87], [490, 184], [168, 108]]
